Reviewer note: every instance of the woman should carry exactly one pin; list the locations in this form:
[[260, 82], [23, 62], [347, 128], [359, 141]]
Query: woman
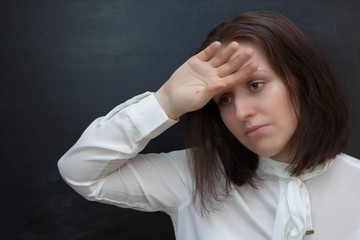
[[267, 121]]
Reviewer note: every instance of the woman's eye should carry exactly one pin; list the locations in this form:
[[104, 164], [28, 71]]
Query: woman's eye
[[256, 85], [225, 100]]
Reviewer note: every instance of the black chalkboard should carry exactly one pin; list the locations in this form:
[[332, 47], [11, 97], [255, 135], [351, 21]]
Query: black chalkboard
[[64, 63]]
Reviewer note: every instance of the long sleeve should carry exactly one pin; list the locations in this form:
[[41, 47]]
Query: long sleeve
[[104, 164]]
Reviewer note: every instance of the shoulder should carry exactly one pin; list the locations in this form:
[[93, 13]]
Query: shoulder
[[345, 168], [181, 161], [341, 179], [348, 161]]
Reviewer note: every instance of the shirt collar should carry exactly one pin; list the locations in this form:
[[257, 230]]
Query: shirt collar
[[281, 169], [293, 215]]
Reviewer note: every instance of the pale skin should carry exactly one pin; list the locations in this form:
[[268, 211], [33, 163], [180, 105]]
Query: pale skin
[[259, 112], [203, 76], [253, 101]]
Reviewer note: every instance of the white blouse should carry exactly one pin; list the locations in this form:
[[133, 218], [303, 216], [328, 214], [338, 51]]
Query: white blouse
[[104, 166]]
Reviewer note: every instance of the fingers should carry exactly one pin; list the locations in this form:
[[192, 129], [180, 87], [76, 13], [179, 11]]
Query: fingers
[[235, 64], [218, 58], [241, 74], [209, 52], [229, 81], [224, 55]]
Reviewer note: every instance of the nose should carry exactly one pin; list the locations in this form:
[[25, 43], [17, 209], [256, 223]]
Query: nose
[[245, 109]]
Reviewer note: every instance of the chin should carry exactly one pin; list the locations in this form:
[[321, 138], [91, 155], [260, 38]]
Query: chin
[[266, 147], [269, 152]]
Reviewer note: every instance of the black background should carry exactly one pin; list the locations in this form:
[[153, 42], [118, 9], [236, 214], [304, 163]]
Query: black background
[[63, 63]]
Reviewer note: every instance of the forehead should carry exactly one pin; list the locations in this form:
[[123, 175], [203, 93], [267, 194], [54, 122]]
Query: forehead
[[259, 55]]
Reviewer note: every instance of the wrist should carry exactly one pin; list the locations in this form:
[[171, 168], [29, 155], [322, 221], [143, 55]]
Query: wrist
[[165, 104]]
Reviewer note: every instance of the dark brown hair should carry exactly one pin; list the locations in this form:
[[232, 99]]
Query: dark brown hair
[[219, 159]]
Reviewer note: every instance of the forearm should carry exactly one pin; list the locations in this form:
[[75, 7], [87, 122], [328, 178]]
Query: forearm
[[111, 140]]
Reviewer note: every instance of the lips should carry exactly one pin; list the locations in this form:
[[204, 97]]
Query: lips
[[256, 130]]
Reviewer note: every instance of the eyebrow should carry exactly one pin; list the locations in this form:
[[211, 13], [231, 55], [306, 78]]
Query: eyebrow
[[258, 71], [261, 71]]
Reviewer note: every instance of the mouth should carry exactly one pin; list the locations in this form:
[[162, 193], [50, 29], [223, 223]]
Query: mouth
[[256, 130]]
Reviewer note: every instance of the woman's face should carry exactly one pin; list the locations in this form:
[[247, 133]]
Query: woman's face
[[258, 111]]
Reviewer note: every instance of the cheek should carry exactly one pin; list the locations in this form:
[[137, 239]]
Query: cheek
[[234, 128], [288, 113], [286, 122], [279, 107]]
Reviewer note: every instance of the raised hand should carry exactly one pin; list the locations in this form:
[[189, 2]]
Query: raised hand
[[203, 76]]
